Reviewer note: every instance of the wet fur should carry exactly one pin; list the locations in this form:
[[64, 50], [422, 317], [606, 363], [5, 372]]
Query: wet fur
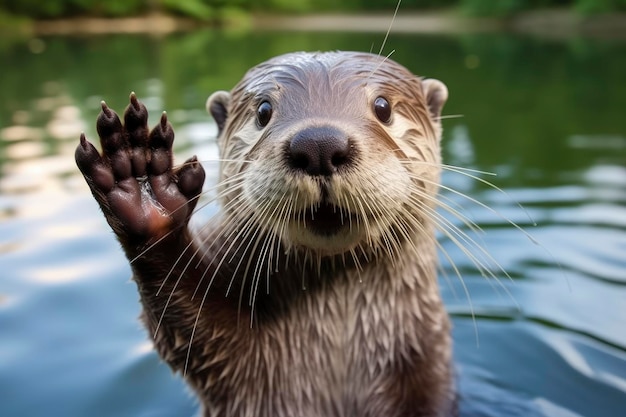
[[262, 316]]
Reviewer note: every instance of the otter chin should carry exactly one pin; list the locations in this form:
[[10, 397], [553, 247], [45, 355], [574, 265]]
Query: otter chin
[[325, 229], [313, 290]]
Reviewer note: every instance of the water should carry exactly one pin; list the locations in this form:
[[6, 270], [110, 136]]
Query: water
[[546, 116]]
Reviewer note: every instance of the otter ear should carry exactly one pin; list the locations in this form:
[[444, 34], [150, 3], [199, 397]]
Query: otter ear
[[436, 94], [217, 106]]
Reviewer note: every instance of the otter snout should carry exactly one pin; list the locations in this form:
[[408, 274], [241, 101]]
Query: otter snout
[[320, 150]]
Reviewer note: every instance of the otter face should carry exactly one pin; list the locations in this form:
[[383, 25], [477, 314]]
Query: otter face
[[331, 153]]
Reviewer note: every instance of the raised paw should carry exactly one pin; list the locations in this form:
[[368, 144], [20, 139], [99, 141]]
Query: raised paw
[[143, 198]]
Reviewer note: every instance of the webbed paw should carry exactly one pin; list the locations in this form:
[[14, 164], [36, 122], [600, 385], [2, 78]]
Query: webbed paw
[[141, 195]]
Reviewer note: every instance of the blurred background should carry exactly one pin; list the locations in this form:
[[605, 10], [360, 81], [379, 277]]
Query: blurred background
[[537, 103]]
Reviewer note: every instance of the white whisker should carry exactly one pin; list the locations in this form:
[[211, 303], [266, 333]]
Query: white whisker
[[393, 19], [450, 116]]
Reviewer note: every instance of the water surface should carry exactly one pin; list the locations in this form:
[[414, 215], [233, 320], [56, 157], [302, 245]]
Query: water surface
[[548, 338]]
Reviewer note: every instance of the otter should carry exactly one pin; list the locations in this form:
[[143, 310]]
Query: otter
[[313, 291]]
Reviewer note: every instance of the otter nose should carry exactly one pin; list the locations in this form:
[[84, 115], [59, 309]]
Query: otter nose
[[319, 150]]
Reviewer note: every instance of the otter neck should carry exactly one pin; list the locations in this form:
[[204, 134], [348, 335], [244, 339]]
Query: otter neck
[[298, 277]]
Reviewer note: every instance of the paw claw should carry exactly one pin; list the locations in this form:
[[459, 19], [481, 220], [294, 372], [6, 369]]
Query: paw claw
[[109, 129], [86, 155], [134, 101], [190, 179], [162, 136], [106, 110], [136, 120]]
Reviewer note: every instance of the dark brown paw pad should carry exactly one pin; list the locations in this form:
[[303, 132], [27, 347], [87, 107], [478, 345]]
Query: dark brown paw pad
[[133, 179]]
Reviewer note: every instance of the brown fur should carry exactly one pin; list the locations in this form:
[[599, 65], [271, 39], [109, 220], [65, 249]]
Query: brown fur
[[263, 316]]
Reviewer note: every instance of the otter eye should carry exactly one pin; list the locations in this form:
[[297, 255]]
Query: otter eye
[[264, 113], [382, 108]]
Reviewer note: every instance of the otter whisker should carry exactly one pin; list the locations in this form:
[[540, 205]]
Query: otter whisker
[[225, 236], [461, 240], [390, 241], [444, 202], [357, 263], [275, 238], [247, 231], [442, 220], [468, 172], [449, 116], [266, 254], [363, 218], [491, 209], [417, 225], [256, 232], [409, 230], [242, 161], [219, 196], [256, 274], [463, 170], [201, 306], [287, 216], [454, 234], [178, 280], [222, 235], [181, 274], [393, 19], [468, 297], [231, 205]]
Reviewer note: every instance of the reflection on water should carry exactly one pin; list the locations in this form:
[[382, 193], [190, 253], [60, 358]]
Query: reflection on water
[[547, 338]]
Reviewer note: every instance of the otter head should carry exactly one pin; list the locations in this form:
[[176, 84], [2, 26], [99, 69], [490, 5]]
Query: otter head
[[331, 153]]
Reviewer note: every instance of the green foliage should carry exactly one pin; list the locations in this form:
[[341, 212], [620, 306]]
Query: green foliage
[[67, 8], [283, 5], [33, 8], [597, 6], [405, 5], [210, 9], [198, 9], [344, 5], [492, 8], [120, 7]]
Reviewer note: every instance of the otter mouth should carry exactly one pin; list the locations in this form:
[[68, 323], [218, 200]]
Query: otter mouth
[[325, 219]]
